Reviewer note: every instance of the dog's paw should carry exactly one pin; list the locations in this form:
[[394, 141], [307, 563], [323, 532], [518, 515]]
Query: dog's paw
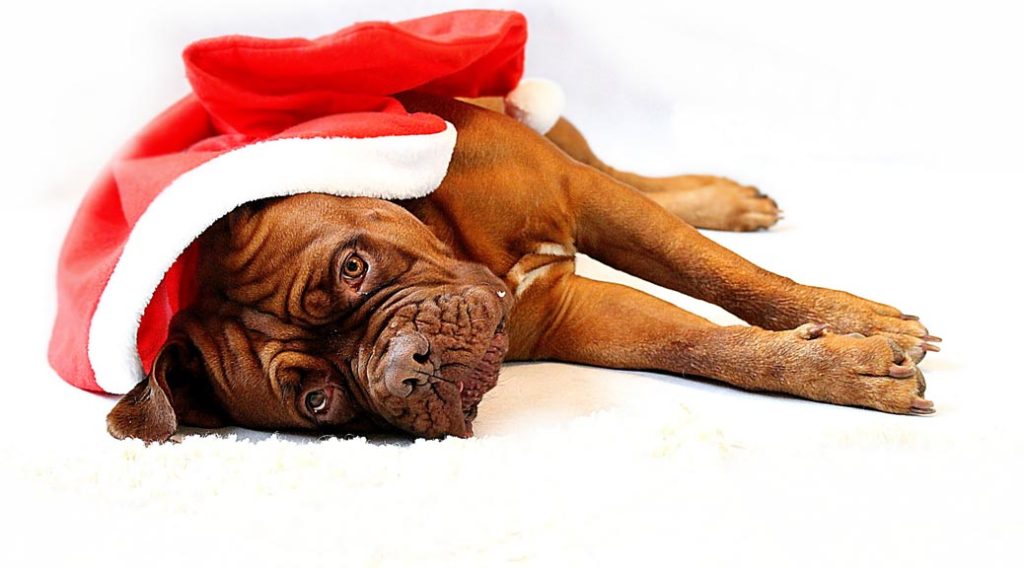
[[872, 372], [708, 202], [852, 315]]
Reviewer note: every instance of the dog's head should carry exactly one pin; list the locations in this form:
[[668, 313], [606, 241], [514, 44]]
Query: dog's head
[[331, 314]]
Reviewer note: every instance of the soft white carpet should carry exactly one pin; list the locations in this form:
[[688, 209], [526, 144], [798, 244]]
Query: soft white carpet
[[656, 486], [890, 134]]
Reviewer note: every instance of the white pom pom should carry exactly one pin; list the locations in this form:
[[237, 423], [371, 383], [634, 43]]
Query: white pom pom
[[537, 103]]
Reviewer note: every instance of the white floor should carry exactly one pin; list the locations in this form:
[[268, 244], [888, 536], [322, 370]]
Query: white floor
[[668, 469]]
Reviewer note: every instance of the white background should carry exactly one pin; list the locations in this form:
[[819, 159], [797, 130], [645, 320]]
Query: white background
[[890, 132]]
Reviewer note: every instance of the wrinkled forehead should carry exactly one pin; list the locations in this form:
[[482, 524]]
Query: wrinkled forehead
[[263, 239], [308, 224]]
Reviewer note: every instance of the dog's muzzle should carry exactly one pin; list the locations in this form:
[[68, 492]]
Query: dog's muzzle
[[435, 367]]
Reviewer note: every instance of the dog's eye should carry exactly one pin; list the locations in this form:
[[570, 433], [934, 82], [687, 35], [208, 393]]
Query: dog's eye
[[316, 401], [354, 267]]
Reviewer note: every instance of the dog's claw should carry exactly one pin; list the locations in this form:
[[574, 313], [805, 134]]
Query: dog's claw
[[902, 371], [909, 317], [930, 347], [922, 406], [812, 330], [932, 339]]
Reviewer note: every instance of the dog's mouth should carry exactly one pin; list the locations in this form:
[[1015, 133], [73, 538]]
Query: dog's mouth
[[482, 377]]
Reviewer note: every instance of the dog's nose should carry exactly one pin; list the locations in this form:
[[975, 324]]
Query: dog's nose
[[407, 364]]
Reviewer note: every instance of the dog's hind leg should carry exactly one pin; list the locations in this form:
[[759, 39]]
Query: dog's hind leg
[[706, 202], [610, 325]]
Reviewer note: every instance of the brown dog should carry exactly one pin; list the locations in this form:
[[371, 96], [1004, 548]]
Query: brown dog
[[360, 315]]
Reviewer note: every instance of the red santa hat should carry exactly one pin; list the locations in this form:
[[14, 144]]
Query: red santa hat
[[267, 118]]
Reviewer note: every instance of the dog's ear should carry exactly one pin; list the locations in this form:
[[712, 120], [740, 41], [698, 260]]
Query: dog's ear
[[177, 390]]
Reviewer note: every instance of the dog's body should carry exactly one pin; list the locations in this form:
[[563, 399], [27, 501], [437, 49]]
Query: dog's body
[[356, 315]]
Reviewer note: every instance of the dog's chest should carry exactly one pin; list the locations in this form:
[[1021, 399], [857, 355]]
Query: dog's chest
[[537, 265]]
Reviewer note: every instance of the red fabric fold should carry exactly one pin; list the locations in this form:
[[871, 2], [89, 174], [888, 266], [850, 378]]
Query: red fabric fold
[[258, 86]]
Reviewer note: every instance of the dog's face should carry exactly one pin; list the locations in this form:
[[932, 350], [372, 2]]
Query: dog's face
[[330, 314]]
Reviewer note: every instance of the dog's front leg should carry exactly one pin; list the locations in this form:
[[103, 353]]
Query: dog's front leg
[[619, 227], [598, 323]]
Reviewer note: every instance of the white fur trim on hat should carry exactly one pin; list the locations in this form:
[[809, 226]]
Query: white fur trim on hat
[[386, 167], [537, 103]]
